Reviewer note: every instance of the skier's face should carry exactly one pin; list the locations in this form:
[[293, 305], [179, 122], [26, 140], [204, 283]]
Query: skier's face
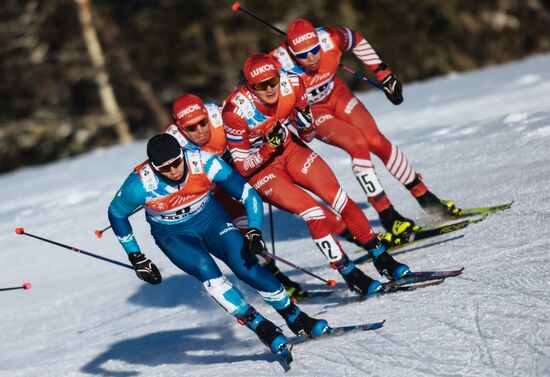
[[310, 60], [198, 130], [267, 91], [172, 169]]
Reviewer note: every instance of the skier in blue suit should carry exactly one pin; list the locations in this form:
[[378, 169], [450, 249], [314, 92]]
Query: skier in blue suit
[[188, 224]]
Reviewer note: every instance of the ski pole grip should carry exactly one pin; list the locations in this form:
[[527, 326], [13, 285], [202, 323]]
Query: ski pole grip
[[236, 5], [19, 230]]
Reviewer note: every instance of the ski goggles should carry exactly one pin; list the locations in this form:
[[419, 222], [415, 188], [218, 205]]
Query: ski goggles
[[165, 168], [262, 86], [304, 54], [193, 127]]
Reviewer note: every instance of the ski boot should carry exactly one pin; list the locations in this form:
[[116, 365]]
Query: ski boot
[[269, 334], [389, 240], [292, 288], [356, 280], [442, 209], [384, 262], [301, 324], [395, 223]]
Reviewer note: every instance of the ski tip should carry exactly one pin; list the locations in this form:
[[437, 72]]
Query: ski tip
[[379, 324], [331, 283], [98, 233], [285, 358], [19, 230], [26, 286], [236, 5]]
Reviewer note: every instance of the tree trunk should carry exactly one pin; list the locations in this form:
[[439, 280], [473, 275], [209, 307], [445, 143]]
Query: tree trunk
[[105, 89], [112, 37]]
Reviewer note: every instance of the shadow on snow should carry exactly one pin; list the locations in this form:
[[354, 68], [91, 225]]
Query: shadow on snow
[[202, 345]]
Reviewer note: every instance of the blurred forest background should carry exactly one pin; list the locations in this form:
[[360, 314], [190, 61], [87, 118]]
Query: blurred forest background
[[78, 74]]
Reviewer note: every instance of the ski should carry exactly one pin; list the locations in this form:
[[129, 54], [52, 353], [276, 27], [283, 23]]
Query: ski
[[465, 212], [418, 277], [284, 357], [338, 331], [412, 287], [420, 235], [428, 275], [418, 280], [317, 293], [421, 279]]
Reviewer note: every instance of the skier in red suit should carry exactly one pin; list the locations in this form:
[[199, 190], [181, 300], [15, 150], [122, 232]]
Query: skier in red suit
[[258, 117], [342, 120], [198, 124]]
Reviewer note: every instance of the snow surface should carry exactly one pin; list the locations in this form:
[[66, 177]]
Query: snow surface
[[478, 138]]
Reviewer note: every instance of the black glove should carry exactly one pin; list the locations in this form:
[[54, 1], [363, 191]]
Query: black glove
[[304, 119], [393, 89], [145, 269], [253, 243], [226, 156], [277, 136]]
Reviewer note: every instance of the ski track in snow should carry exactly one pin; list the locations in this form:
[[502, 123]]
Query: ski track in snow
[[478, 138]]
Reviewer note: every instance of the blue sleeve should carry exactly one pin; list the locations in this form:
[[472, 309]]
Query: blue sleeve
[[235, 185], [130, 196]]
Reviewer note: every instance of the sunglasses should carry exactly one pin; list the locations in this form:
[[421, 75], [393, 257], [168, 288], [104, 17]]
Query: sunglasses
[[166, 167], [272, 82], [193, 127], [304, 54]]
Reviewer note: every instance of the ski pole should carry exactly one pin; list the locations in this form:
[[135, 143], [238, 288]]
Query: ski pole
[[271, 226], [99, 233], [22, 231], [25, 286], [329, 282], [237, 6]]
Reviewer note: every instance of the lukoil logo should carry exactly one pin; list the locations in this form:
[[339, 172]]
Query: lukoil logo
[[322, 119], [264, 180], [188, 110], [262, 69], [304, 37]]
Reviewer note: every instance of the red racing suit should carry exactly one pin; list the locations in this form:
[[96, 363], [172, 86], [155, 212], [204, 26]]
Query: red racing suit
[[342, 120], [280, 174], [217, 144]]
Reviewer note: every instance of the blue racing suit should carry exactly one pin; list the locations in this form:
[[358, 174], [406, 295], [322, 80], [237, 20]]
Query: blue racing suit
[[188, 224]]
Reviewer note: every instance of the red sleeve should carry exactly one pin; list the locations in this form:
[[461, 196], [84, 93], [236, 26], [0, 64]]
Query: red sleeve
[[301, 96], [347, 39], [238, 141]]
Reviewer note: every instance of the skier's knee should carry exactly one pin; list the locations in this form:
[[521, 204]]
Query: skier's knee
[[225, 294]]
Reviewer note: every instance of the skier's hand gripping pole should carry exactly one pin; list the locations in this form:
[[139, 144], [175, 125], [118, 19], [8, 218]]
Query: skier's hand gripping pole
[[144, 268]]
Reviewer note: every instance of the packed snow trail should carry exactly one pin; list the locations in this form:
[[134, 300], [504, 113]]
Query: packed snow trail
[[478, 138]]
